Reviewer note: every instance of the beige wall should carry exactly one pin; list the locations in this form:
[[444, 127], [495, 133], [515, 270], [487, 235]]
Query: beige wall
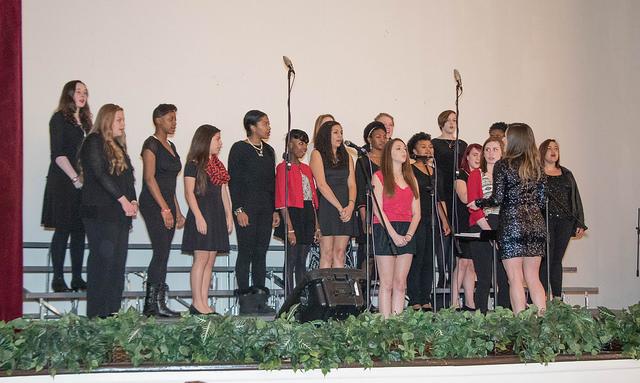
[[568, 68]]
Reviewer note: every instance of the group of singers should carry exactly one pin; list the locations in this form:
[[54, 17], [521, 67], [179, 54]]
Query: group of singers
[[402, 198]]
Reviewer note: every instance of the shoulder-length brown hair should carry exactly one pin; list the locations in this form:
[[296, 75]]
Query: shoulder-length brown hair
[[521, 152], [199, 154], [483, 161], [386, 166], [544, 146], [67, 106], [115, 148]]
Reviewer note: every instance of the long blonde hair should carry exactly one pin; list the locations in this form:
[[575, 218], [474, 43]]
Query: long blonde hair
[[115, 149], [521, 152], [386, 166]]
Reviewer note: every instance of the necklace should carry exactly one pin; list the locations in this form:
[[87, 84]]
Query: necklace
[[258, 149]]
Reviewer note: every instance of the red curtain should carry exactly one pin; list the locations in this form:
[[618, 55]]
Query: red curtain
[[11, 159]]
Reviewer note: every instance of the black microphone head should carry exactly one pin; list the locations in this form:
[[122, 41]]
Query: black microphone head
[[348, 143]]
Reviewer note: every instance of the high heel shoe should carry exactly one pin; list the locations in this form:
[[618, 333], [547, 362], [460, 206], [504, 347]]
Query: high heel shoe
[[58, 285], [78, 284]]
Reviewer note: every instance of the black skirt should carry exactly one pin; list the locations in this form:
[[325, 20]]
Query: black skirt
[[61, 205], [303, 221], [383, 244]]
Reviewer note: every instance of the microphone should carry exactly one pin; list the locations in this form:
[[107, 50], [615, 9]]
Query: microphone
[[359, 149], [288, 63], [457, 77]]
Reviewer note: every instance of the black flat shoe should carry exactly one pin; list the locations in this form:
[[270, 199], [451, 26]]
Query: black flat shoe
[[78, 284], [194, 311], [58, 285]]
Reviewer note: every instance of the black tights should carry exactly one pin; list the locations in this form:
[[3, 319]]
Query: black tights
[[161, 238], [59, 248]]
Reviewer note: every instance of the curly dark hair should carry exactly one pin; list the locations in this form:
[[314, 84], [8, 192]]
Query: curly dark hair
[[413, 141]]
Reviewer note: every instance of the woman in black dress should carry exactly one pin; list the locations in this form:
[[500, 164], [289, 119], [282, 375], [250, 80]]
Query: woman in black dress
[[334, 173], [375, 137], [518, 189], [62, 195], [159, 206], [420, 280], [108, 204], [209, 221], [566, 216], [252, 167]]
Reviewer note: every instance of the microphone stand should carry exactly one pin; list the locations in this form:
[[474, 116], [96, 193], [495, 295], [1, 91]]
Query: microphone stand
[[291, 77], [454, 205]]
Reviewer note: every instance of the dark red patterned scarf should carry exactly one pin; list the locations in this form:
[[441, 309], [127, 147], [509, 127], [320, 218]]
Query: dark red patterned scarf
[[217, 172]]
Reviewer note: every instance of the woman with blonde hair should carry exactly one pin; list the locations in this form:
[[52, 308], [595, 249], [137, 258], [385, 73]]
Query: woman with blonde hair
[[108, 205], [518, 189], [396, 220]]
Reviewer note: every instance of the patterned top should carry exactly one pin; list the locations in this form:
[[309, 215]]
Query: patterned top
[[307, 193], [487, 188]]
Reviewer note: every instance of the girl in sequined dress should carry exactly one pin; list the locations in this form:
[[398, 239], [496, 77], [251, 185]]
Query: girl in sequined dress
[[518, 189]]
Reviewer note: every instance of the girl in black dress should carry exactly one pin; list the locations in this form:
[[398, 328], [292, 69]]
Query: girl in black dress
[[209, 220], [159, 206], [62, 196], [252, 167], [464, 273], [334, 173], [566, 216], [108, 204], [420, 280], [518, 189]]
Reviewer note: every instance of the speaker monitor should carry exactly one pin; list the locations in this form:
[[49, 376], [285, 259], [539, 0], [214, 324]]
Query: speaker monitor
[[328, 293]]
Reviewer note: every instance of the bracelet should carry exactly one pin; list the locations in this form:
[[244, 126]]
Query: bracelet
[[291, 231], [238, 211], [352, 201], [165, 210], [410, 235], [75, 179]]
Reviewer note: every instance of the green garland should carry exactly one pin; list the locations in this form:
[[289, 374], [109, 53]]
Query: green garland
[[77, 344]]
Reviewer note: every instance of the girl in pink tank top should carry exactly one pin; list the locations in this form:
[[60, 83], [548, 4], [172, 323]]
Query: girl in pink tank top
[[394, 224]]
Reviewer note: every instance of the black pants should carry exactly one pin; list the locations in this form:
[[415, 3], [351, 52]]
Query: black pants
[[161, 238], [560, 232], [482, 255], [420, 279], [59, 248], [295, 264], [253, 243], [108, 243]]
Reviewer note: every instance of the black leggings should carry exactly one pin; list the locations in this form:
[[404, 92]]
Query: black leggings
[[161, 238], [59, 248], [296, 264], [482, 254], [560, 232], [253, 243], [108, 242]]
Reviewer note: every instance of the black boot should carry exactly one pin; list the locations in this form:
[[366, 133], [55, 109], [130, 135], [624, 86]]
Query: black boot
[[150, 301], [58, 285], [78, 284], [262, 294], [161, 299]]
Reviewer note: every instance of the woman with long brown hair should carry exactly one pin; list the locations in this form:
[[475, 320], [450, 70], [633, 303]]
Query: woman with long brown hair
[[108, 205], [395, 224], [518, 189], [209, 221], [62, 194], [333, 171]]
